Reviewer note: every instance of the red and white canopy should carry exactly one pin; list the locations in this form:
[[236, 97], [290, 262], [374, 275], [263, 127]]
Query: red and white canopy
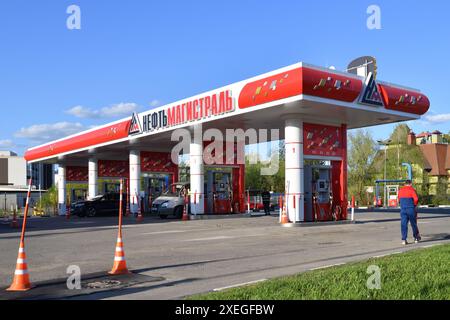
[[318, 95]]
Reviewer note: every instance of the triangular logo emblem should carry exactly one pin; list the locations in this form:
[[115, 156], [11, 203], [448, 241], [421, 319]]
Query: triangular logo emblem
[[135, 126], [371, 95]]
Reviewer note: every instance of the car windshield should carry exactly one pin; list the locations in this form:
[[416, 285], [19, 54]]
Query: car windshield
[[97, 197], [174, 190]]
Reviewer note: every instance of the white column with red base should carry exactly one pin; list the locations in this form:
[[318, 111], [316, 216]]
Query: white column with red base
[[61, 190], [93, 178], [135, 180], [294, 174], [196, 178]]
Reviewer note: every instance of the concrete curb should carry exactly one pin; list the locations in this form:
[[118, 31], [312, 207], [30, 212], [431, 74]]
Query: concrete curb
[[317, 224], [227, 216]]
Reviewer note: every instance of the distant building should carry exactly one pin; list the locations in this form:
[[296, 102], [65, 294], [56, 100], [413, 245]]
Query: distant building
[[429, 138], [13, 169], [13, 180], [42, 175], [436, 151]]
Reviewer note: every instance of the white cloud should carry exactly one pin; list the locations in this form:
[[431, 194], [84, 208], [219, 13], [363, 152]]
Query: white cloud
[[82, 112], [116, 110], [154, 103], [120, 109], [5, 144], [438, 118], [47, 132]]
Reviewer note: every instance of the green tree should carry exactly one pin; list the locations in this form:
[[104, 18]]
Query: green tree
[[400, 152], [446, 137], [400, 134], [254, 179], [49, 200], [362, 150]]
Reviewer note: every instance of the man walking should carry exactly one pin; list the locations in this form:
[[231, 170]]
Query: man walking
[[408, 202]]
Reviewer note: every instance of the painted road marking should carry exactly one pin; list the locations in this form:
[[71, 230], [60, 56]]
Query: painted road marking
[[387, 254], [225, 237], [381, 256], [240, 285], [328, 266], [164, 232], [211, 238], [432, 245], [82, 222], [174, 231]]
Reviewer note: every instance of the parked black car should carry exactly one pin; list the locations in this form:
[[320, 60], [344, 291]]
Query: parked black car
[[107, 204]]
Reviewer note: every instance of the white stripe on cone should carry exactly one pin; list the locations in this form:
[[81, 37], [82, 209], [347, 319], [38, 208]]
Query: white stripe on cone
[[20, 272], [119, 258], [19, 260], [119, 249]]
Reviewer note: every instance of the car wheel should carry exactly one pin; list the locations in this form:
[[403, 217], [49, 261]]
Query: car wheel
[[163, 216], [178, 212], [91, 212]]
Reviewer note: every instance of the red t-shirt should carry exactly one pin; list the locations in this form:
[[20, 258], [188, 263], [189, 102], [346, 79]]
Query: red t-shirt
[[408, 192]]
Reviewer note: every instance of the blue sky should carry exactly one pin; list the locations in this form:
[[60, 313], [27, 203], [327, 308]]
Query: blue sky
[[139, 54]]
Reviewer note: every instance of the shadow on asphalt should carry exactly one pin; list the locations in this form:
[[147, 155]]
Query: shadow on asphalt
[[94, 223], [435, 237], [396, 210], [125, 291], [394, 219], [90, 284], [111, 222], [61, 223]]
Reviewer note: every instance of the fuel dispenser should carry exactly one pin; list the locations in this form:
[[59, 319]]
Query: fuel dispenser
[[219, 191], [78, 194], [154, 186], [318, 193], [111, 187], [392, 193]]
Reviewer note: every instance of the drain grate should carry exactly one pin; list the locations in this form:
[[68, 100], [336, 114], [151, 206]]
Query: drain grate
[[93, 283], [105, 284]]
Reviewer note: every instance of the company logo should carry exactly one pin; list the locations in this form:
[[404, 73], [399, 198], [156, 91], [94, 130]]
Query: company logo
[[371, 94], [212, 105], [135, 126]]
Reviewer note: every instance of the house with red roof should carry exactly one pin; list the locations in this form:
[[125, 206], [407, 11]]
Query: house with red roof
[[436, 151]]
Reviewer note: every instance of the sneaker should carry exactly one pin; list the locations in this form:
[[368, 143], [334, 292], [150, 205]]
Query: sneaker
[[404, 242], [417, 240]]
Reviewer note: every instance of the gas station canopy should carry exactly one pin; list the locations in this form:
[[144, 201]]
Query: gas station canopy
[[315, 94]]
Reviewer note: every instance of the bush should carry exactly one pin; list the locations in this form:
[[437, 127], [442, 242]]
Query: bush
[[49, 201]]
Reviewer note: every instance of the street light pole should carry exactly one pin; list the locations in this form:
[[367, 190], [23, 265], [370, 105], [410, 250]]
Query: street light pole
[[385, 143], [385, 185]]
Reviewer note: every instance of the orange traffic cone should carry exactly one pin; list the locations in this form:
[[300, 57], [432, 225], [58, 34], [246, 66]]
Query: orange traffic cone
[[127, 212], [21, 281], [284, 217], [120, 264], [14, 223], [140, 217]]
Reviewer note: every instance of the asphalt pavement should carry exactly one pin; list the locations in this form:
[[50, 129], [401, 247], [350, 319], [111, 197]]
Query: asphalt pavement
[[184, 258]]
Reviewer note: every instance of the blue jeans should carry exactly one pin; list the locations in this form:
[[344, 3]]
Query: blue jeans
[[409, 215]]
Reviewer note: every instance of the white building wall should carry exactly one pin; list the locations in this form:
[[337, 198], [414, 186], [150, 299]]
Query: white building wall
[[17, 171]]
